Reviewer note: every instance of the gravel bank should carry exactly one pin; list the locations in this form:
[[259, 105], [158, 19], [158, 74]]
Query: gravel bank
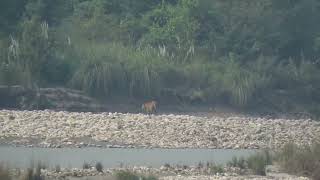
[[59, 129], [231, 178], [164, 173]]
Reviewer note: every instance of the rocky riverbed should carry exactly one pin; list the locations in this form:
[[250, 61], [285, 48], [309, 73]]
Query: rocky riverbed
[[163, 173], [62, 129]]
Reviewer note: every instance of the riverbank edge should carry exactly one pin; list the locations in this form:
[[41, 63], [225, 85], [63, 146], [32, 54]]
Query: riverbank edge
[[20, 142], [163, 173]]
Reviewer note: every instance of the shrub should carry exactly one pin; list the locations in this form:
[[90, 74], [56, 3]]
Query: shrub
[[99, 167], [4, 174], [57, 168], [34, 173], [144, 81], [214, 169], [15, 74], [126, 175], [56, 72], [239, 83], [167, 165], [237, 162], [99, 78], [257, 162], [300, 160], [114, 69], [86, 165]]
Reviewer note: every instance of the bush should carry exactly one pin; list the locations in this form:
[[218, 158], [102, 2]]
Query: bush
[[86, 165], [256, 162], [4, 174], [57, 169], [214, 169], [126, 175], [99, 167], [34, 173], [259, 161], [300, 160], [99, 78], [237, 162], [56, 72], [114, 69], [241, 82], [15, 74]]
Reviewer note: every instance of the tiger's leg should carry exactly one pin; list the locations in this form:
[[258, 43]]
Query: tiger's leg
[[154, 109]]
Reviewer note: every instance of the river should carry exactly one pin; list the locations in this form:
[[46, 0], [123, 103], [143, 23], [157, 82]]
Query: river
[[22, 157]]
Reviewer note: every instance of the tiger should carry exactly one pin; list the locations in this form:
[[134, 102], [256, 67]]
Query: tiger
[[149, 107]]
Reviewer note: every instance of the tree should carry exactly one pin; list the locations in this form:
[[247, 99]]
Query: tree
[[11, 12]]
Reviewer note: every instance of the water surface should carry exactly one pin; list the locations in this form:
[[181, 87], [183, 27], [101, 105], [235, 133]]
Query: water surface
[[111, 158]]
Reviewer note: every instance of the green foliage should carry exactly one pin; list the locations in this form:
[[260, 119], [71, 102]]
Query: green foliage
[[34, 46], [34, 173], [247, 54], [4, 174], [13, 71], [259, 161], [214, 169], [10, 14], [98, 78], [15, 74], [237, 162], [57, 168], [126, 175], [172, 27], [239, 84], [86, 165], [256, 162], [99, 167], [113, 69], [300, 160]]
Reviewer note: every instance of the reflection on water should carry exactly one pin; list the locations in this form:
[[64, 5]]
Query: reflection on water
[[111, 158]]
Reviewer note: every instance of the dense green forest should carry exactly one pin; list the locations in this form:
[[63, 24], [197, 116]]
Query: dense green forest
[[251, 54]]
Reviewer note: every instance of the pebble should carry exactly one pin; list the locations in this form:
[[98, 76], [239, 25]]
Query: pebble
[[169, 173], [59, 129]]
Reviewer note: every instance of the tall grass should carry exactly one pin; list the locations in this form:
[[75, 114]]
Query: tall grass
[[259, 161], [126, 175], [12, 70], [30, 174], [4, 173], [144, 81], [110, 69], [238, 162], [15, 74], [99, 78], [300, 160], [113, 68], [242, 82], [99, 167], [256, 162]]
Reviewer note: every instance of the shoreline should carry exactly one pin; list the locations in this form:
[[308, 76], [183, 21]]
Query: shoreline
[[165, 172]]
